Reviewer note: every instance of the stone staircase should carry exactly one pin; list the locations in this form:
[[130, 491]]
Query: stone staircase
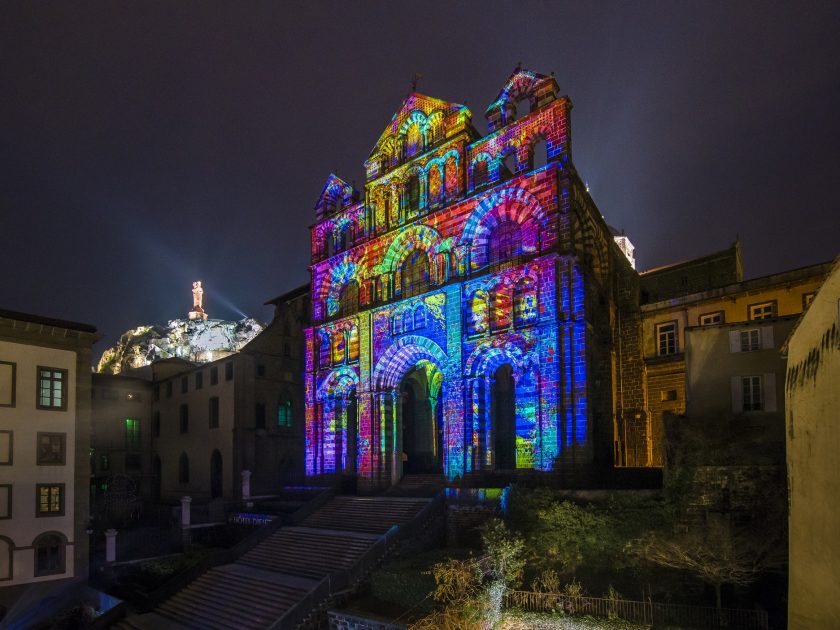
[[284, 578]]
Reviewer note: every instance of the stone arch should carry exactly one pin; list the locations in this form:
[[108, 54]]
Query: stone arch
[[509, 204], [418, 236], [332, 283], [492, 169], [403, 354], [337, 383], [490, 355]]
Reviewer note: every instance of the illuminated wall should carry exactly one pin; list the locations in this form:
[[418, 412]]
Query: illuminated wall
[[448, 300]]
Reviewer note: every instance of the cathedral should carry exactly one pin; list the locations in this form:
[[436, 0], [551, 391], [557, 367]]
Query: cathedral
[[472, 312]]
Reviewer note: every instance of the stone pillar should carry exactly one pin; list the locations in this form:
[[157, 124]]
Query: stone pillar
[[246, 484], [110, 545], [185, 511], [487, 464], [396, 454]]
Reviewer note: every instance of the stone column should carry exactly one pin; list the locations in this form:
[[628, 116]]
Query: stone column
[[246, 484], [185, 511], [487, 464], [110, 545], [396, 455]]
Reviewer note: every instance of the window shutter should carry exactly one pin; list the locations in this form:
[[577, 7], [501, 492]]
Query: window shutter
[[734, 341], [766, 337], [768, 382], [737, 394]]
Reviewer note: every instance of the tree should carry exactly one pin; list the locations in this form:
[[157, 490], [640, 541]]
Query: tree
[[716, 553]]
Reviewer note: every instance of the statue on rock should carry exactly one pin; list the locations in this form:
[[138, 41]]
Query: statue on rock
[[197, 311]]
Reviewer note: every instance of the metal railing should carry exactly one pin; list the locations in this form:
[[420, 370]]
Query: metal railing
[[646, 612]]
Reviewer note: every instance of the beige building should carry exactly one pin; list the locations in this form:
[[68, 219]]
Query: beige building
[[813, 440], [710, 291], [44, 440], [209, 423]]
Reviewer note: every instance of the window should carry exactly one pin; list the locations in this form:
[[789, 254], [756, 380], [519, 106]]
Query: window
[[259, 416], [184, 417], [183, 469], [481, 174], [214, 375], [8, 372], [229, 371], [477, 313], [52, 388], [7, 548], [751, 387], [807, 299], [765, 310], [504, 243], [156, 424], [104, 463], [750, 340], [49, 499], [353, 344], [666, 336], [525, 302], [214, 412], [419, 316], [500, 309], [199, 380], [185, 385], [5, 500], [413, 196], [338, 346], [132, 434], [49, 554], [284, 414], [709, 319], [6, 448], [348, 299], [324, 345], [667, 395], [169, 389], [415, 273], [397, 323], [51, 449]]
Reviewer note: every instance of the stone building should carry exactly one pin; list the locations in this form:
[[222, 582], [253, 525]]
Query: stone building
[[813, 438], [679, 300], [44, 440], [471, 310], [243, 412]]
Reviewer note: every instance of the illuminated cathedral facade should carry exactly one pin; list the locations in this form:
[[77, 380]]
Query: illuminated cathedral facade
[[471, 312]]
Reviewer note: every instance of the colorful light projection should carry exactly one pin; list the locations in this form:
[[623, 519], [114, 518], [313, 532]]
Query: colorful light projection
[[458, 283]]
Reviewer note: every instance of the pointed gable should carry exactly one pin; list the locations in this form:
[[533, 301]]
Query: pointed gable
[[335, 195], [420, 122], [538, 89]]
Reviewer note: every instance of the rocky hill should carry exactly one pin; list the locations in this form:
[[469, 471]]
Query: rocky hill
[[195, 340]]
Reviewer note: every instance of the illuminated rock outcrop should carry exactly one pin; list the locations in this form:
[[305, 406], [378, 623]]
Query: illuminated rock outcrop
[[196, 340]]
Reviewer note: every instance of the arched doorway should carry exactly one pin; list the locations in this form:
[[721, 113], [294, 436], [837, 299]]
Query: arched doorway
[[504, 418], [216, 474], [346, 420], [421, 420]]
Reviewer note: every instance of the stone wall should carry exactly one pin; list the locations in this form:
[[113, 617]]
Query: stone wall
[[341, 620]]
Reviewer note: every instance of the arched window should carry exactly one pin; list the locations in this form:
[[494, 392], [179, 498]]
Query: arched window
[[284, 413], [451, 177], [500, 309], [481, 173], [504, 243], [348, 299], [397, 323], [183, 469], [419, 316], [413, 141], [341, 241], [435, 185], [329, 244], [6, 557], [413, 192], [538, 153], [353, 344], [324, 349], [525, 302], [338, 347], [477, 313], [49, 554], [508, 164], [415, 273]]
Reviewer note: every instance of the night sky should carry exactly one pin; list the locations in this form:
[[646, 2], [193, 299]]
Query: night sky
[[144, 145]]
